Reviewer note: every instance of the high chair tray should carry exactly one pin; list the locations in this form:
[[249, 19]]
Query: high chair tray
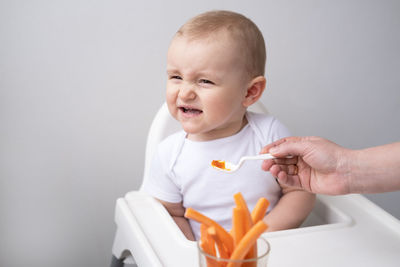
[[341, 231]]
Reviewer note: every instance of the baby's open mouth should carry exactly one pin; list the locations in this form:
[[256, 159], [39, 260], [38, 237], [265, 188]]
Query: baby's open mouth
[[190, 110]]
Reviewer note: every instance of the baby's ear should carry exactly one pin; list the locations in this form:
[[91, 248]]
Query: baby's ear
[[254, 90]]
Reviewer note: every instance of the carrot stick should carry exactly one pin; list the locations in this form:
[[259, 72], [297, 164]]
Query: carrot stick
[[257, 214], [248, 223], [207, 240], [259, 209], [241, 203], [238, 227], [247, 242], [220, 245], [207, 244], [223, 235]]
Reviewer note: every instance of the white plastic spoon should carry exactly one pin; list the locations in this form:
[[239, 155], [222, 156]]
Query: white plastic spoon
[[230, 167]]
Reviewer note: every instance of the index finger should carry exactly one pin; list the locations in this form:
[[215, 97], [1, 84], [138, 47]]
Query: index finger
[[266, 149], [279, 142]]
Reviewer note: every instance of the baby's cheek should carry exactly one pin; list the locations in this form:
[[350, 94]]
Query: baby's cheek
[[171, 98], [171, 107]]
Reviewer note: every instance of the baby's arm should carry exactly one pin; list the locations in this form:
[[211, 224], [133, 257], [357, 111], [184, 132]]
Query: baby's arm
[[176, 210], [291, 210]]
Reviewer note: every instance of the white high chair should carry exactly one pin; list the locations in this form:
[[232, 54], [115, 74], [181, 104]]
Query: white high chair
[[340, 231]]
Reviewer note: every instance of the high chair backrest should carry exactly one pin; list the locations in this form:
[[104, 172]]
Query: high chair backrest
[[164, 124]]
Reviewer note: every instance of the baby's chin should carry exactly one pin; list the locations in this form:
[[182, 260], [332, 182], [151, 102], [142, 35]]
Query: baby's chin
[[190, 130], [195, 134], [202, 136]]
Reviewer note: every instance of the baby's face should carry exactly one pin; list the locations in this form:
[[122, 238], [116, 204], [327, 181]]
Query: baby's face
[[206, 86]]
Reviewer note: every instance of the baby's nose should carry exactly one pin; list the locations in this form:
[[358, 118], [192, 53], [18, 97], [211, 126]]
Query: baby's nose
[[187, 92]]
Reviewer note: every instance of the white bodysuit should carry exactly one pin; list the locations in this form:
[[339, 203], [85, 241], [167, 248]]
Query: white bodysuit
[[181, 171]]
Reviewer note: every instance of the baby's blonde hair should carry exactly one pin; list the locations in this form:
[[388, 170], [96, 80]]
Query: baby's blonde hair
[[241, 29]]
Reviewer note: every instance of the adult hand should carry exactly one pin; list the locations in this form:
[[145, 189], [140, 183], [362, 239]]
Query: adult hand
[[318, 165]]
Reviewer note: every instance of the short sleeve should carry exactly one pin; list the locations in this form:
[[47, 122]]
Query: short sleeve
[[279, 131], [160, 183]]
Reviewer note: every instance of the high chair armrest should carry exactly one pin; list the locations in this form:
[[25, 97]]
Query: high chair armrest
[[159, 232]]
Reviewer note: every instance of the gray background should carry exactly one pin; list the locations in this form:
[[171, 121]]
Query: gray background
[[81, 80]]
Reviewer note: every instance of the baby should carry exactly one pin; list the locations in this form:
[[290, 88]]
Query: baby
[[215, 68]]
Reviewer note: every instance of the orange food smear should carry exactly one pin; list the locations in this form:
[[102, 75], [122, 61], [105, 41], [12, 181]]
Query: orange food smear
[[218, 164]]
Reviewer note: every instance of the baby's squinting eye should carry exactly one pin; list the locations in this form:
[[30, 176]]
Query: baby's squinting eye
[[175, 77], [206, 81]]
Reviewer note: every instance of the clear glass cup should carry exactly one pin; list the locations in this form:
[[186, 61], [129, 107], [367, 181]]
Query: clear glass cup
[[263, 249]]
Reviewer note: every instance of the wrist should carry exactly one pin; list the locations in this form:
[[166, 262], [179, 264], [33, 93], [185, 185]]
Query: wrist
[[359, 175], [376, 169], [347, 170]]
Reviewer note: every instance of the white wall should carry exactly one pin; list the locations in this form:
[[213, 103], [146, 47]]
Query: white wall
[[81, 80]]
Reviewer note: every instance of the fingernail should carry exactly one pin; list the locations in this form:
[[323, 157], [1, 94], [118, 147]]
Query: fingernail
[[273, 150]]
